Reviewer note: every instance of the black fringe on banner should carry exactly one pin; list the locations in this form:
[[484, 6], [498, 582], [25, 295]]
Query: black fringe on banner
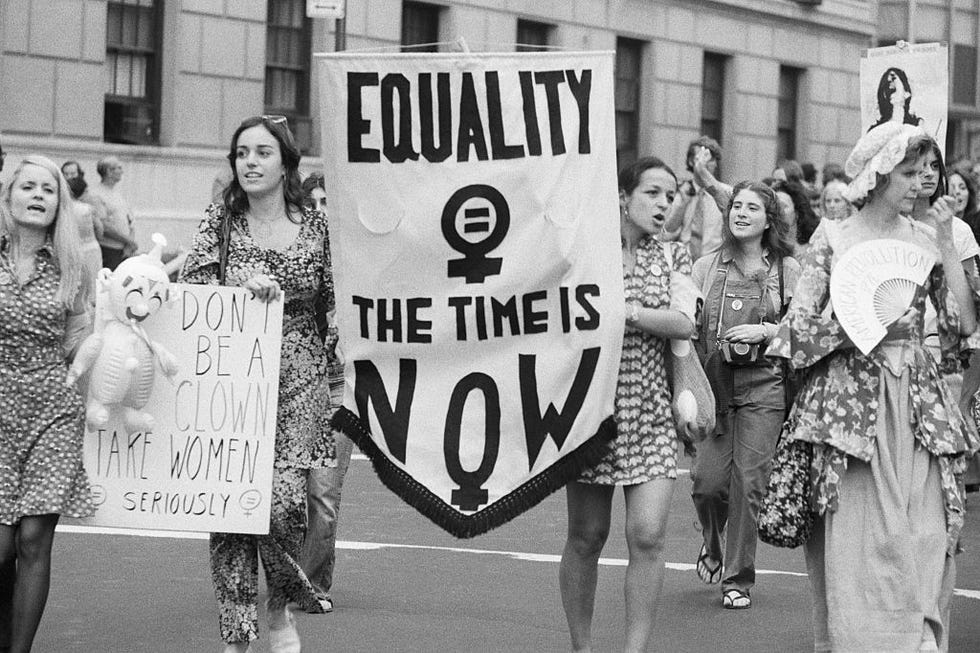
[[528, 495]]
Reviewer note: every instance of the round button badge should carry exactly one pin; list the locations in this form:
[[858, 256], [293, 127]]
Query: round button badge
[[737, 305]]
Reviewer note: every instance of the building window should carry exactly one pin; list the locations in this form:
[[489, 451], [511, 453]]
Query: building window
[[132, 99], [789, 88], [964, 80], [713, 95], [532, 36], [628, 56], [420, 27], [287, 67]]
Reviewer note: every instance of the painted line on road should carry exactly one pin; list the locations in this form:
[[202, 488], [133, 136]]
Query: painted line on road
[[377, 546]]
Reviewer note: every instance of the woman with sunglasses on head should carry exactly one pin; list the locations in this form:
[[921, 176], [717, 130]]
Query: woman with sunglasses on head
[[643, 456], [262, 238], [885, 431], [44, 297], [745, 285]]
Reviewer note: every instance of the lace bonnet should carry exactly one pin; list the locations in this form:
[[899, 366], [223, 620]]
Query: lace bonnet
[[877, 152]]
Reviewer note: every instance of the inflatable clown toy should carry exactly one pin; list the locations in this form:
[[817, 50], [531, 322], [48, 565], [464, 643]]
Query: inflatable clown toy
[[119, 356]]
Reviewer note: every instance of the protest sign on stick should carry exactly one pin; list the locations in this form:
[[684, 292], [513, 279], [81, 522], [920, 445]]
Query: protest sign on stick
[[478, 271], [207, 463], [907, 83]]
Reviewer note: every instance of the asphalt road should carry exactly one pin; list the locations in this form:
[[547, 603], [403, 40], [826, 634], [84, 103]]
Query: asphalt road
[[402, 584]]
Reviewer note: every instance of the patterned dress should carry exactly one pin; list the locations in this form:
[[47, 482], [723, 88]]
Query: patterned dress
[[645, 446], [887, 434], [303, 437], [42, 419]]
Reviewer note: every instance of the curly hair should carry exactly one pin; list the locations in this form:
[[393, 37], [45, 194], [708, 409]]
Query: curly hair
[[775, 238]]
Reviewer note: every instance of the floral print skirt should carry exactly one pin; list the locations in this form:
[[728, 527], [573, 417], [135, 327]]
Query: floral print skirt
[[235, 562]]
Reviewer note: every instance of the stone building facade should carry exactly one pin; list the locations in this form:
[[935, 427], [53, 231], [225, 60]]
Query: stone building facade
[[163, 83]]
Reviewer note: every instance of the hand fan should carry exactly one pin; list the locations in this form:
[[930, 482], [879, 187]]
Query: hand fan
[[873, 284], [892, 298]]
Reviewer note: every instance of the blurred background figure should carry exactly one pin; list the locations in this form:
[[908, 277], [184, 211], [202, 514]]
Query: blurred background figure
[[324, 484], [118, 230], [833, 204], [315, 192], [788, 170], [91, 214], [695, 217]]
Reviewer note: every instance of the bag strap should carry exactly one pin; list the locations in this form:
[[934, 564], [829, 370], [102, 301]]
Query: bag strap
[[224, 239], [669, 255], [782, 295]]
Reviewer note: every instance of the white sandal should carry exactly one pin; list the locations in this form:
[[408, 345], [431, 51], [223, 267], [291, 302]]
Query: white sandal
[[283, 637]]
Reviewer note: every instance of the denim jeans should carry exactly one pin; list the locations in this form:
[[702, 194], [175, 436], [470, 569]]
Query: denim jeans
[[323, 508]]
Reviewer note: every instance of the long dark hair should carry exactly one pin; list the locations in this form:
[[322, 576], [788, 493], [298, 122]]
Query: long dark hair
[[885, 99], [806, 218], [776, 236], [234, 197], [941, 183], [971, 214]]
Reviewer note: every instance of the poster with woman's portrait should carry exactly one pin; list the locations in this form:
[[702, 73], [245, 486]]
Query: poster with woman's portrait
[[907, 83]]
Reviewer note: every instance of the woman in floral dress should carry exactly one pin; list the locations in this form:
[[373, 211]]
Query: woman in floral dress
[[643, 456], [272, 246], [886, 431], [43, 300]]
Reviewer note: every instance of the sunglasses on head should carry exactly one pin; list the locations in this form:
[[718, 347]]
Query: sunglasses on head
[[275, 120]]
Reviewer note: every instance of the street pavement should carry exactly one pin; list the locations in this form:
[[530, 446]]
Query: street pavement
[[402, 584]]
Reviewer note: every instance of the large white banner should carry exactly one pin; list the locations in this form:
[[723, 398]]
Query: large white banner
[[475, 241], [206, 465], [907, 83]]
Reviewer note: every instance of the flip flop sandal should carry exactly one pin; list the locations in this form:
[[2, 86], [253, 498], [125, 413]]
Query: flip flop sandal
[[736, 599], [708, 573]]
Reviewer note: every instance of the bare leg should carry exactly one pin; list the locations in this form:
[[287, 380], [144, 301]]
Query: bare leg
[[647, 509], [589, 508], [33, 542]]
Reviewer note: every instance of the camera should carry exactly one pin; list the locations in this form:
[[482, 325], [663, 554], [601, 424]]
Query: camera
[[740, 354]]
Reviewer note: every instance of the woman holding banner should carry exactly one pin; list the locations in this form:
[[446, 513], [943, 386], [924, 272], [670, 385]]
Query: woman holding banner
[[885, 431], [643, 456], [262, 238], [44, 297], [745, 285]]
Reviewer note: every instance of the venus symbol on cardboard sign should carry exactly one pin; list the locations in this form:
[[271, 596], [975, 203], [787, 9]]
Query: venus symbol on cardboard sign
[[477, 219]]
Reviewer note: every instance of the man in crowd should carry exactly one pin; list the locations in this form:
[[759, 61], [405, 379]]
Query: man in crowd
[[118, 241], [695, 217]]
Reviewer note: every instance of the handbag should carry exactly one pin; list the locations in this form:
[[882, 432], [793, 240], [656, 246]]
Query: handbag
[[692, 402], [785, 517]]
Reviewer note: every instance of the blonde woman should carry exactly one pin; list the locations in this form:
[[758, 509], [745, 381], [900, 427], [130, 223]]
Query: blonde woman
[[43, 301]]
